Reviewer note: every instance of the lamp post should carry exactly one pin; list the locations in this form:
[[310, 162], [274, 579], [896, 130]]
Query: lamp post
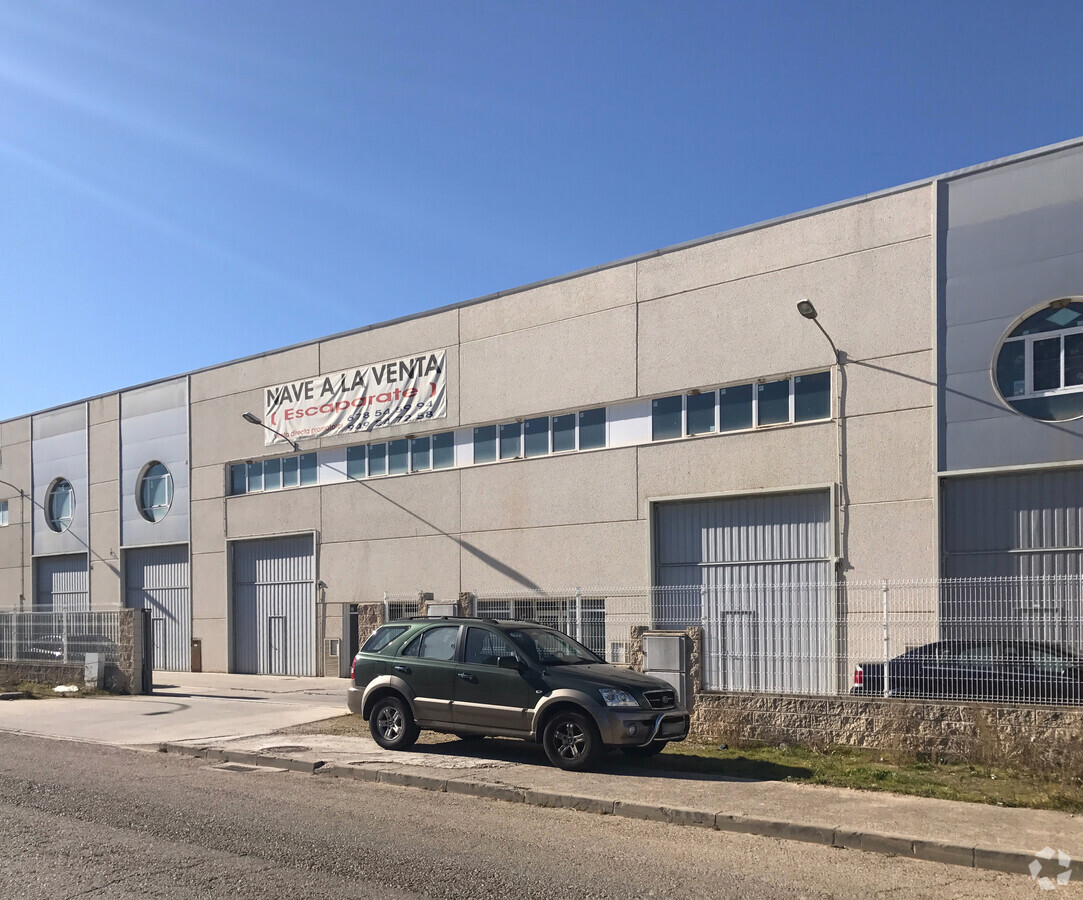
[[806, 309], [253, 419]]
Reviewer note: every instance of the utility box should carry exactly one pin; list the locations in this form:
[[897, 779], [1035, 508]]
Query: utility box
[[92, 674], [665, 656], [436, 610]]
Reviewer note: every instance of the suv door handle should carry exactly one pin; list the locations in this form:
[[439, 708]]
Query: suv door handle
[[466, 676], [404, 669]]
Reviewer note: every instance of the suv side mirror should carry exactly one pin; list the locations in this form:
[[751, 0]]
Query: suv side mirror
[[509, 662]]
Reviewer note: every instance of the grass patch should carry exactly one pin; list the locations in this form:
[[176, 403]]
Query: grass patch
[[848, 767]]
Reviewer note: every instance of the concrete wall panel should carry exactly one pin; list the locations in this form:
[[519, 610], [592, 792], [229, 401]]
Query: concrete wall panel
[[396, 507], [582, 362], [276, 512], [209, 482], [209, 587], [104, 496], [890, 384], [549, 303], [208, 526], [889, 456], [360, 572], [434, 332], [860, 226], [255, 374], [892, 540], [555, 490]]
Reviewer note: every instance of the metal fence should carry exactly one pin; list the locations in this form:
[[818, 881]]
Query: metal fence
[[64, 637], [401, 606], [1001, 639]]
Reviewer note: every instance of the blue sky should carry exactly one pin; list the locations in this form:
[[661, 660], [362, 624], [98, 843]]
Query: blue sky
[[184, 183]]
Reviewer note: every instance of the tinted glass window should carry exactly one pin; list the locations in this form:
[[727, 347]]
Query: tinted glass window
[[443, 450], [238, 479], [666, 415], [774, 402], [735, 407], [155, 492], [381, 637], [397, 456], [1012, 369], [420, 454], [509, 440], [812, 397], [355, 462], [272, 474], [309, 473], [536, 436], [60, 506], [377, 459], [439, 642], [255, 477], [563, 433], [592, 428], [291, 471], [1046, 364], [483, 647], [485, 444], [700, 413]]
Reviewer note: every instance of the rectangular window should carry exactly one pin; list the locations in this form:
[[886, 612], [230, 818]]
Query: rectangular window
[[443, 450], [420, 454], [377, 459], [774, 402], [3, 513], [272, 474], [735, 407], [355, 462], [485, 444], [309, 474], [536, 436], [511, 441], [563, 433], [255, 477], [666, 416], [1046, 364], [238, 479], [1073, 359], [1012, 369], [397, 461], [291, 471], [701, 413], [592, 428], [812, 397]]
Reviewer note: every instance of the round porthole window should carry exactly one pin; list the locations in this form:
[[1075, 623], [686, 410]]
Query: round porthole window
[[1038, 369], [155, 492], [60, 505]]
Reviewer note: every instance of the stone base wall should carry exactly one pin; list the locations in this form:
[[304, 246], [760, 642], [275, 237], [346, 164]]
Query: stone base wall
[[370, 616], [12, 673], [1040, 738]]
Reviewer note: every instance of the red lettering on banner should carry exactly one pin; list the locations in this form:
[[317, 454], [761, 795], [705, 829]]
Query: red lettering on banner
[[383, 398]]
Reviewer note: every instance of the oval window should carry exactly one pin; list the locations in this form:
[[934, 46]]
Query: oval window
[[60, 505], [155, 492], [1038, 369]]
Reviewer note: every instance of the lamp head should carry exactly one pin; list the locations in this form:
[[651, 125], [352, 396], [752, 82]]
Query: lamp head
[[251, 418], [806, 309]]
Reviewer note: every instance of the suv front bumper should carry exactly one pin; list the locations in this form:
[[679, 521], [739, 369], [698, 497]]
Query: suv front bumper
[[638, 727]]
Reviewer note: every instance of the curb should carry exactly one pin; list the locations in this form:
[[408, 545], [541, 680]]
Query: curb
[[11, 695], [976, 856]]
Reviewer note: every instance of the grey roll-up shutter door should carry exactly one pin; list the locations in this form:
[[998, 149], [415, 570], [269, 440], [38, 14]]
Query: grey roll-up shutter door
[[756, 572], [1021, 534], [157, 578], [62, 583], [274, 606]]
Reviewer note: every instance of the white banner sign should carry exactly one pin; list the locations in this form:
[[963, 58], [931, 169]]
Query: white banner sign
[[396, 392]]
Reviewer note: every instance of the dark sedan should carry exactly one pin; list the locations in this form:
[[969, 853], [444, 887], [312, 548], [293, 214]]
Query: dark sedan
[[1024, 671]]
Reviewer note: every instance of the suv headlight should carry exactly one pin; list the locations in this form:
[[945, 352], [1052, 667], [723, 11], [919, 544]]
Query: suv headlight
[[614, 697]]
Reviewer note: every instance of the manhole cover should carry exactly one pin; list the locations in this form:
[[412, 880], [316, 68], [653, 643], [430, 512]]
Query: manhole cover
[[235, 767], [285, 748]]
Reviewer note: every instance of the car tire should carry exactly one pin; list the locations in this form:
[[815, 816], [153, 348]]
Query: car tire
[[652, 749], [391, 723], [571, 741]]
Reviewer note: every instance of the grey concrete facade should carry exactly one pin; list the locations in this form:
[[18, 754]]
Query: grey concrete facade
[[695, 318]]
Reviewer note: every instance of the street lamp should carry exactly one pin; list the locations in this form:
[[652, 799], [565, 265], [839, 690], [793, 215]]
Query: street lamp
[[253, 419], [806, 309]]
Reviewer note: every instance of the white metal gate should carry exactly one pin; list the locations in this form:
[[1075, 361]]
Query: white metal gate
[[756, 573], [157, 578], [62, 583], [274, 606]]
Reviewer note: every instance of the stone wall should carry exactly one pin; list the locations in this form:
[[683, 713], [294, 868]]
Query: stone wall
[[1036, 737], [54, 673], [370, 616]]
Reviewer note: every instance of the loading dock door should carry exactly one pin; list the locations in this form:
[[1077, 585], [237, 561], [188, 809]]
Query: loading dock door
[[274, 606], [62, 584], [756, 572], [156, 578]]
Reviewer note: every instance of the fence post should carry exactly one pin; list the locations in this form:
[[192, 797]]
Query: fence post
[[387, 608], [887, 644], [64, 634], [579, 614]]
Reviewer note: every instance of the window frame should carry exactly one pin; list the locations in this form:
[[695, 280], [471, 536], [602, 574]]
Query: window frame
[[144, 475]]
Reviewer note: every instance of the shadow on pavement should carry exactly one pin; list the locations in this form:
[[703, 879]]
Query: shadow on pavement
[[686, 766]]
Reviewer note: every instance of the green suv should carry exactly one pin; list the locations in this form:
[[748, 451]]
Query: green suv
[[483, 677]]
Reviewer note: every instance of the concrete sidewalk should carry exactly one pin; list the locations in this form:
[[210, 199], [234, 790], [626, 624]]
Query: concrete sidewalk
[[966, 834]]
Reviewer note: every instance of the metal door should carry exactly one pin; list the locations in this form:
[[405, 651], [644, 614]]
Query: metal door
[[62, 584], [157, 578], [756, 573], [274, 606]]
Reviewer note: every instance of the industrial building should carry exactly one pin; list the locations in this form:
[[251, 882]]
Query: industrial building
[[672, 419]]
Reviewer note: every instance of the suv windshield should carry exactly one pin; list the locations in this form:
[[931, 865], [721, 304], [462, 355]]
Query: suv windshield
[[550, 648]]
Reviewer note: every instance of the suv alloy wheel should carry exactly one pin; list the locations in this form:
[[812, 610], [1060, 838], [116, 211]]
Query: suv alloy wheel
[[391, 725], [571, 741]]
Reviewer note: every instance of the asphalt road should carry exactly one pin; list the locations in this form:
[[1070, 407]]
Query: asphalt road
[[84, 820]]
